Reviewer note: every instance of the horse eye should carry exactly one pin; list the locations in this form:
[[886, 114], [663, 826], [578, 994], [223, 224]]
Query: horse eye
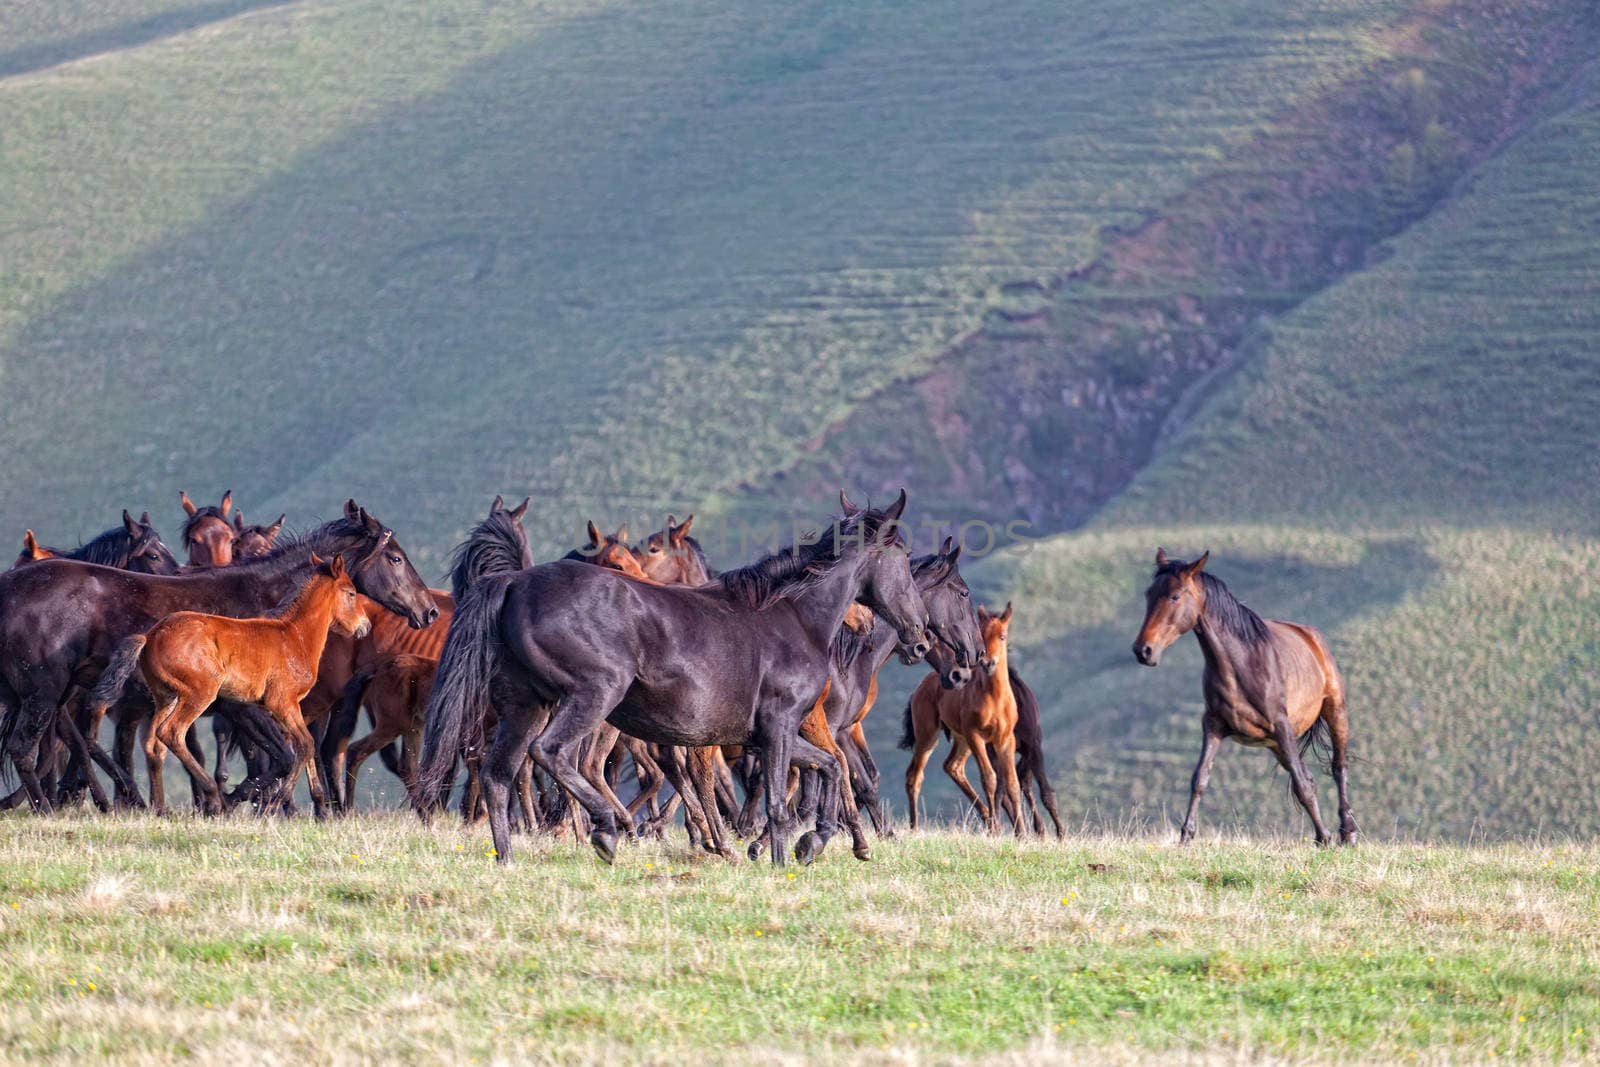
[[655, 550], [1175, 598], [394, 559]]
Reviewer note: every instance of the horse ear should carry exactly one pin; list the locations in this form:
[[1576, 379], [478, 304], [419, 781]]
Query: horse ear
[[1198, 565], [316, 560], [521, 509], [352, 510], [621, 536], [227, 502], [1161, 558], [336, 567], [951, 554], [895, 510], [498, 505], [188, 505], [845, 505], [1005, 616], [238, 521], [594, 534], [682, 531], [128, 523], [144, 518], [369, 522], [272, 531], [30, 546]]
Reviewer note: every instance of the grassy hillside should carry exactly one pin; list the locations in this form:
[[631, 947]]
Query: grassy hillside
[[374, 939], [1387, 464], [613, 254]]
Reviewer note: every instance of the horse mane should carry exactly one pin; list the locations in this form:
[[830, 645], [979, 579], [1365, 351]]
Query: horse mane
[[496, 545], [109, 549], [210, 511], [1224, 612], [849, 644], [921, 565], [791, 571]]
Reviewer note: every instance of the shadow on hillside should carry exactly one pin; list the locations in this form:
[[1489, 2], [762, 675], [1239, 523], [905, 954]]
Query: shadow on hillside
[[131, 34]]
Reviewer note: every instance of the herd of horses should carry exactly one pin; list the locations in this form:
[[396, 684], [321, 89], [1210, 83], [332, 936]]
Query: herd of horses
[[548, 687]]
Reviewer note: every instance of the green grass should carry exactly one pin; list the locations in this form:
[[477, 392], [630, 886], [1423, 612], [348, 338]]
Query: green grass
[[376, 939]]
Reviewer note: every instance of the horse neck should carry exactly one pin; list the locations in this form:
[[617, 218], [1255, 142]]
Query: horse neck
[[999, 680], [822, 606], [1219, 648], [308, 619]]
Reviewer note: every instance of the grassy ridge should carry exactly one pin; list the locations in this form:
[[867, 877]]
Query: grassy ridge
[[616, 255], [375, 939], [1398, 445]]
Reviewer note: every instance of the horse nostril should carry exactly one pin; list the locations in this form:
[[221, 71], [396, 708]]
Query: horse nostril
[[920, 649], [431, 615]]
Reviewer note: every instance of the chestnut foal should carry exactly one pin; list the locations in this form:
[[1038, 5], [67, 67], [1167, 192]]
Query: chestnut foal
[[189, 659]]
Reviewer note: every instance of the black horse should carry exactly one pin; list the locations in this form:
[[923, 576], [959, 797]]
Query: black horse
[[857, 659], [61, 620], [133, 546], [560, 648]]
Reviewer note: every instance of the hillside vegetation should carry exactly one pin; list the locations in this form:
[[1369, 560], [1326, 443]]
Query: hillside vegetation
[[373, 939], [1311, 285], [617, 255]]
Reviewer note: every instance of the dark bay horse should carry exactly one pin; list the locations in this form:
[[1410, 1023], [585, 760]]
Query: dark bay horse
[[61, 620], [133, 546], [249, 542], [206, 533], [566, 646], [1266, 683]]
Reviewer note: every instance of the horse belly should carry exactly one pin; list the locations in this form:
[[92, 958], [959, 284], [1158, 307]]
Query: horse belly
[[679, 714]]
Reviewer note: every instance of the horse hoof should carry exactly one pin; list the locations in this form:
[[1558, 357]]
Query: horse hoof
[[754, 851], [863, 853], [605, 845], [808, 848]]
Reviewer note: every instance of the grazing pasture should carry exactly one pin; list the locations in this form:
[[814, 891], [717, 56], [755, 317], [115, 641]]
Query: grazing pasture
[[373, 938]]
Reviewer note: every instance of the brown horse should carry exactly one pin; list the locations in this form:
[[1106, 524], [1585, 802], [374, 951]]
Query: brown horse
[[396, 697], [207, 534], [189, 659], [1267, 683], [982, 715], [250, 542], [133, 546]]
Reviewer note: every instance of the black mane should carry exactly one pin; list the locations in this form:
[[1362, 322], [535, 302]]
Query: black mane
[[109, 549], [1224, 611], [497, 545], [791, 571]]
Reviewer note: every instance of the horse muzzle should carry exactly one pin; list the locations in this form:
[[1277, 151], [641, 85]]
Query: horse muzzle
[[1146, 653], [915, 650], [955, 678], [425, 618]]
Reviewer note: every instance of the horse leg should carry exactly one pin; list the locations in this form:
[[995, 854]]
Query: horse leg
[[991, 781], [703, 778], [575, 717], [125, 738], [1339, 737], [593, 765], [1211, 740], [816, 731], [170, 729], [825, 765], [197, 793], [81, 748], [677, 771], [915, 769], [955, 767], [304, 746], [1006, 754], [382, 733], [1305, 790], [38, 712], [1034, 758], [775, 756]]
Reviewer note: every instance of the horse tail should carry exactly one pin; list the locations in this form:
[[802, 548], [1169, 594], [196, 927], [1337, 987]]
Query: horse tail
[[908, 732], [460, 697], [1314, 744], [114, 679]]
